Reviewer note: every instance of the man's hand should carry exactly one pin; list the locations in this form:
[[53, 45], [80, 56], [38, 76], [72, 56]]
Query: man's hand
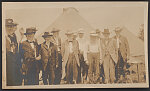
[[87, 62], [128, 57], [101, 62], [56, 66], [38, 58]]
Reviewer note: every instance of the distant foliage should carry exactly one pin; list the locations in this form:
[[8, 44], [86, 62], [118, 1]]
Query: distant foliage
[[141, 33]]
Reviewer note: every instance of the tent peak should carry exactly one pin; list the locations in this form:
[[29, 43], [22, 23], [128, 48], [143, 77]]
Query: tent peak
[[70, 9]]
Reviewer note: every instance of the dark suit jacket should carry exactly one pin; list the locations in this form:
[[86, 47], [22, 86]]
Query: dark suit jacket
[[13, 61], [29, 56], [49, 55], [9, 44]]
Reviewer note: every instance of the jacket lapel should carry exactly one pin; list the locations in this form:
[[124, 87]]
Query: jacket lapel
[[29, 45], [46, 47]]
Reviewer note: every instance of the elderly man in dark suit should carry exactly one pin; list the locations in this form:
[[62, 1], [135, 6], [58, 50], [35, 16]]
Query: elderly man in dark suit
[[49, 57], [31, 57], [13, 59], [57, 41], [123, 54]]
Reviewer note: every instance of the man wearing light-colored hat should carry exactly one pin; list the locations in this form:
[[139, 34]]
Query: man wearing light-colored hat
[[31, 57], [98, 32], [70, 51], [109, 56], [13, 60], [123, 54], [49, 58], [93, 58], [82, 55]]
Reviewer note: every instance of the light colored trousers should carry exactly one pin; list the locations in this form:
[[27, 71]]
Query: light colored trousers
[[109, 68]]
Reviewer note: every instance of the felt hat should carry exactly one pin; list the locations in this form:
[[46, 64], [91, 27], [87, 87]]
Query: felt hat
[[81, 31], [55, 30], [46, 34], [30, 30], [118, 29], [98, 31], [10, 22], [69, 33], [93, 33], [106, 31]]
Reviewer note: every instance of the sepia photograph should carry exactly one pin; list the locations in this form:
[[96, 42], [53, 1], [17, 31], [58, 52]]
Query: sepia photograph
[[57, 45]]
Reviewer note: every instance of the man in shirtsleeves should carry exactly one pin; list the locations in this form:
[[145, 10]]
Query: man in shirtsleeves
[[82, 55], [57, 41], [13, 59], [31, 57], [70, 51], [93, 56]]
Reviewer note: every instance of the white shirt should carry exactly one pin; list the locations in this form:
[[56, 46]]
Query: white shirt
[[33, 47], [70, 47], [117, 42], [57, 43], [47, 45], [93, 47], [83, 47], [81, 44], [56, 39]]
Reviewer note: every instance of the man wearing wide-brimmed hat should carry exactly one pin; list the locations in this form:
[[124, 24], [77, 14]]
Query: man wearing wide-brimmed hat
[[82, 56], [123, 54], [109, 56], [57, 40], [49, 57], [70, 51], [93, 58], [31, 57], [98, 32], [13, 59]]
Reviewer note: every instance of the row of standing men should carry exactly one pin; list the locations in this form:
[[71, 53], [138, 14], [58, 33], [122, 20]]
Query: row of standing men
[[74, 61]]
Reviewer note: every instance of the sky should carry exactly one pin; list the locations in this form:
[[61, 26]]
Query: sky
[[98, 14]]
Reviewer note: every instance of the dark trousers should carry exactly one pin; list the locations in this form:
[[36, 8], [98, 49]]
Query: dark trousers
[[83, 69], [120, 66], [32, 74], [72, 69], [13, 67], [49, 74], [58, 72]]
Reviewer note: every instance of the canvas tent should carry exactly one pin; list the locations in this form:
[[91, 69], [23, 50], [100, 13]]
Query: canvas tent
[[136, 45], [69, 20]]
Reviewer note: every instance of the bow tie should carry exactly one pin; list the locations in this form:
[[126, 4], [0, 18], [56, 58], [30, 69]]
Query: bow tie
[[31, 42], [12, 35]]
